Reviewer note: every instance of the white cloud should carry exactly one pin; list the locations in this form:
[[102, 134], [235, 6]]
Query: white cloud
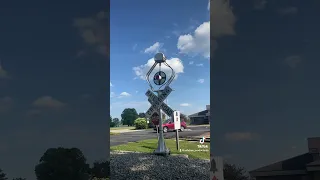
[[94, 31], [199, 65], [134, 47], [198, 43], [241, 136], [260, 4], [200, 81], [175, 63], [288, 10], [185, 104], [208, 7], [293, 61], [191, 62], [6, 103], [124, 94], [48, 102], [3, 73], [111, 85], [154, 48], [222, 19]]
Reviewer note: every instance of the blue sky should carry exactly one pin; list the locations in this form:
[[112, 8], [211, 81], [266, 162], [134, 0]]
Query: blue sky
[[53, 81], [139, 32], [265, 90]]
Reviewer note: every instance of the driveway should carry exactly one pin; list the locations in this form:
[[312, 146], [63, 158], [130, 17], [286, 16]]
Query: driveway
[[134, 136]]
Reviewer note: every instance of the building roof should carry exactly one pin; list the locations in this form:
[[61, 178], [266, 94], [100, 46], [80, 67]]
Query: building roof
[[201, 113], [314, 163], [297, 164], [294, 163]]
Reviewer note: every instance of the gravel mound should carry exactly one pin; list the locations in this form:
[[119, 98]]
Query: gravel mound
[[146, 166]]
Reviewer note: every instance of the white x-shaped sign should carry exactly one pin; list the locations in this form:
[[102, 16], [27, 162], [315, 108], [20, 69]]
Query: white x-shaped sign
[[157, 102]]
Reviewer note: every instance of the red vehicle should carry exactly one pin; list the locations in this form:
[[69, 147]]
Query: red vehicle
[[168, 125]]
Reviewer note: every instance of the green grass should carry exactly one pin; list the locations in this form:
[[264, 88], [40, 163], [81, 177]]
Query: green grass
[[113, 133], [148, 146], [122, 127]]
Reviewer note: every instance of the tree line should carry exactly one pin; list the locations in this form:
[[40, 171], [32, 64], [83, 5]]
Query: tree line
[[129, 115], [67, 164]]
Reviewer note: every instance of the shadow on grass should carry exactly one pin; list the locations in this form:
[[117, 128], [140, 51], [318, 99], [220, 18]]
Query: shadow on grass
[[148, 147], [146, 166]]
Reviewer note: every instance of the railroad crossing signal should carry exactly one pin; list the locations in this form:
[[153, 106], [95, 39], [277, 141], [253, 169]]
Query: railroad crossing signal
[[157, 102]]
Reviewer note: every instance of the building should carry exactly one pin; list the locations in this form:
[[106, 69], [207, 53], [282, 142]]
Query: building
[[202, 117], [302, 167]]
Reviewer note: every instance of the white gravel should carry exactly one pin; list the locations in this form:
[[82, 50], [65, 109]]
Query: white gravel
[[143, 166]]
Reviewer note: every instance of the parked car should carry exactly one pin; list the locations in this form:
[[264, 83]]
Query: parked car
[[168, 125]]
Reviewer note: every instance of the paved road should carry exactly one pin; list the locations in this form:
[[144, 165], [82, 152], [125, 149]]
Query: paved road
[[124, 138]]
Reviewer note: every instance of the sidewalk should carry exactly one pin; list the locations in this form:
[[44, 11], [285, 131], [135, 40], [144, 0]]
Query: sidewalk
[[204, 125], [124, 130], [197, 138]]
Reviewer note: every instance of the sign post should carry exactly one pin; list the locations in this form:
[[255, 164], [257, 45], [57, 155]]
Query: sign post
[[156, 101], [177, 126]]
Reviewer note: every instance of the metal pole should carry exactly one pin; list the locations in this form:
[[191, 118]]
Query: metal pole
[[177, 139], [157, 126], [161, 149]]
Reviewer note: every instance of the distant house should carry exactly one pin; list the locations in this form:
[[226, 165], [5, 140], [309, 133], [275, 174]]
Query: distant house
[[302, 167], [202, 117]]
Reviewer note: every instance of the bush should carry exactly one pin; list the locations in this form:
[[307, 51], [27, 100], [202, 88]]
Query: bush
[[150, 125], [112, 124], [141, 123], [188, 121]]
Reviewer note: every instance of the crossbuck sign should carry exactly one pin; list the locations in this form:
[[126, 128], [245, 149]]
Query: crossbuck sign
[[157, 102]]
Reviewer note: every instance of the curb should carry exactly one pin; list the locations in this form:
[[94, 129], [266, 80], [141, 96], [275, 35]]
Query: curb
[[136, 152], [198, 126]]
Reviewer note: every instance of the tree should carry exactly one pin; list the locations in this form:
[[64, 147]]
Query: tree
[[100, 170], [184, 118], [163, 116], [3, 175], [231, 171], [63, 164], [116, 122], [112, 124], [128, 116], [142, 115]]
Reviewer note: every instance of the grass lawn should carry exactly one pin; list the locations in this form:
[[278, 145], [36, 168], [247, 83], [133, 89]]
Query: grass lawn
[[122, 127], [148, 146], [113, 133]]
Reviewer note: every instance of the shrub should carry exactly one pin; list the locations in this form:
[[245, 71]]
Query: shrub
[[150, 125], [141, 123]]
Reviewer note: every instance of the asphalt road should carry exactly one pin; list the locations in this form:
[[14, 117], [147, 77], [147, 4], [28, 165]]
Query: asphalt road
[[124, 138]]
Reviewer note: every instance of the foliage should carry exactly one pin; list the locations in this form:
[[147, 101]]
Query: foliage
[[3, 176], [128, 116], [150, 124], [100, 170], [112, 124], [142, 115], [163, 116], [116, 122], [231, 171], [63, 164], [185, 118], [141, 123]]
